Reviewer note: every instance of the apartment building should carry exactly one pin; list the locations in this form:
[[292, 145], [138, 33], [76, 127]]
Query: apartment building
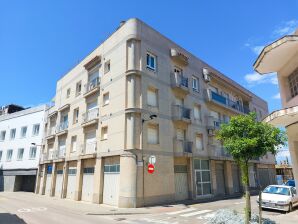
[[281, 56], [135, 96], [19, 158]]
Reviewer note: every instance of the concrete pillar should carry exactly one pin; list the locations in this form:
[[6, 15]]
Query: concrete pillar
[[43, 179], [293, 148], [65, 179], [191, 181], [128, 181], [213, 176], [131, 54], [79, 180], [228, 177], [53, 182], [38, 179], [98, 181]]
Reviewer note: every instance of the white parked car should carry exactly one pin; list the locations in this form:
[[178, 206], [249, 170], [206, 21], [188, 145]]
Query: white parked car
[[279, 197]]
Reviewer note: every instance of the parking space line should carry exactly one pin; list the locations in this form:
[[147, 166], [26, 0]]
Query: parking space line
[[181, 211]]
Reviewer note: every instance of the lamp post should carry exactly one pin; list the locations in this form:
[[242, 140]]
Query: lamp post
[[145, 119]]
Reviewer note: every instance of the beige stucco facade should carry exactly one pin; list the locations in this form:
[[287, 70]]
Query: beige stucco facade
[[282, 57], [103, 156]]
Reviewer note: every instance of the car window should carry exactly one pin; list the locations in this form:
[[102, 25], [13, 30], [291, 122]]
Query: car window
[[277, 190], [294, 191]]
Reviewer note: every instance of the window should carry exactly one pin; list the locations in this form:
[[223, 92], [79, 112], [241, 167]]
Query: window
[[20, 154], [32, 152], [12, 134], [2, 135], [23, 132], [9, 155], [78, 88], [152, 97], [0, 155], [113, 168], [106, 98], [73, 143], [195, 84], [75, 115], [199, 142], [202, 175], [88, 170], [151, 61], [197, 112], [293, 83], [107, 66], [72, 171], [152, 134], [104, 133], [68, 93], [35, 130]]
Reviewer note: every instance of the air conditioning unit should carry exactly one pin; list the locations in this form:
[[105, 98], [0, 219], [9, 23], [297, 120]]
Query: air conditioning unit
[[211, 132], [206, 75]]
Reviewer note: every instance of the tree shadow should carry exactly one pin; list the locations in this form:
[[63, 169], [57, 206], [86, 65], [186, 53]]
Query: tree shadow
[[6, 218]]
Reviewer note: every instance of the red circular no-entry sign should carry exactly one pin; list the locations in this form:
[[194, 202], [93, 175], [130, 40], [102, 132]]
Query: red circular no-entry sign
[[150, 168]]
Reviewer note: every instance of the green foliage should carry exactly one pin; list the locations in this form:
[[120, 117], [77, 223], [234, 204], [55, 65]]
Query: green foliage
[[245, 138]]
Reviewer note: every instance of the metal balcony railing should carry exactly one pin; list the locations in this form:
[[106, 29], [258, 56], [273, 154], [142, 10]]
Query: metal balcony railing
[[180, 112], [90, 115], [89, 148], [51, 131], [227, 102], [178, 80], [62, 126], [218, 152], [92, 84], [182, 146], [59, 154]]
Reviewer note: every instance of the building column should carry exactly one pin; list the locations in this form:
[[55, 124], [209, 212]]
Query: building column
[[79, 180], [53, 182], [43, 179], [228, 177], [128, 181], [65, 179], [38, 178], [191, 181], [98, 181], [213, 176]]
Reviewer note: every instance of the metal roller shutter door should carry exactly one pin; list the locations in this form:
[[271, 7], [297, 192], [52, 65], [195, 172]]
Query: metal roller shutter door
[[48, 184], [59, 183], [236, 178], [220, 179], [71, 183], [181, 183], [111, 184], [88, 180]]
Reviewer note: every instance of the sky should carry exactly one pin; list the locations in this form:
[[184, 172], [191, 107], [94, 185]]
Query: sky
[[41, 40]]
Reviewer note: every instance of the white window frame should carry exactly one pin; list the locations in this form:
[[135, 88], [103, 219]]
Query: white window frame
[[76, 113], [19, 153], [154, 95], [1, 154], [9, 152], [106, 101], [2, 136], [34, 130], [151, 57], [13, 130], [104, 133], [195, 83], [78, 91], [24, 135], [198, 107], [200, 136], [153, 139], [30, 152]]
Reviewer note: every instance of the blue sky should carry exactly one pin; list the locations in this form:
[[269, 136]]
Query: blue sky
[[40, 41]]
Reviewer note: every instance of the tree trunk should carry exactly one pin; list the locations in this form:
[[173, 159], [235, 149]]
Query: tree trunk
[[245, 181]]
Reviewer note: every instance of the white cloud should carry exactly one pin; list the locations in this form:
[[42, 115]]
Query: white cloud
[[276, 96], [256, 79], [286, 28], [257, 49]]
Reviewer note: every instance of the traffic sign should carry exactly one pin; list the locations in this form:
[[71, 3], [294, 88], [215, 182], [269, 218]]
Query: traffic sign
[[150, 168]]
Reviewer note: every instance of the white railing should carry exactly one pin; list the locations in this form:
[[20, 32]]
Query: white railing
[[89, 148], [51, 131], [92, 84], [90, 115], [62, 126]]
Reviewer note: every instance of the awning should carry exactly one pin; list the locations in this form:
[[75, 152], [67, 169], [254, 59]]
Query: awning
[[283, 117], [274, 56]]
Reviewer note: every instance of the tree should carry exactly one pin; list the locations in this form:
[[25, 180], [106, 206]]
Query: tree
[[245, 139]]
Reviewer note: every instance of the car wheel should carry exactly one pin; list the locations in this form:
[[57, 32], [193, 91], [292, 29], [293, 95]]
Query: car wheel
[[290, 207]]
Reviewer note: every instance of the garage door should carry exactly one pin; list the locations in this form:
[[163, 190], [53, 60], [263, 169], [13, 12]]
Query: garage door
[[236, 178], [220, 179], [48, 180], [264, 178], [59, 183], [111, 184], [87, 187], [71, 183], [181, 183]]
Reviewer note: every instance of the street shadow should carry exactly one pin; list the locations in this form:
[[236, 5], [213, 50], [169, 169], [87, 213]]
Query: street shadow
[[8, 218]]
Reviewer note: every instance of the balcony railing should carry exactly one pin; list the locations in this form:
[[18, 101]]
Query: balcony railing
[[89, 148], [182, 146], [180, 112], [213, 123], [59, 154], [91, 115], [218, 152], [227, 102], [178, 80], [94, 83], [51, 131], [63, 126]]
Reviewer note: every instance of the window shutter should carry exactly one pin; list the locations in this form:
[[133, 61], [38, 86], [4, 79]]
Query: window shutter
[[180, 134], [197, 112], [199, 142], [151, 98], [152, 135]]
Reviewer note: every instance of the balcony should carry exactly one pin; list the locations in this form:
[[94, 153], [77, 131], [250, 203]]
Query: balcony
[[90, 117], [59, 154], [182, 147], [179, 57], [48, 156], [213, 123], [89, 149], [51, 132], [179, 83], [62, 128], [217, 152], [181, 114], [226, 102], [92, 87]]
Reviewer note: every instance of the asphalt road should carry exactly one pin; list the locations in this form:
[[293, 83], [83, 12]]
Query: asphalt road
[[20, 208]]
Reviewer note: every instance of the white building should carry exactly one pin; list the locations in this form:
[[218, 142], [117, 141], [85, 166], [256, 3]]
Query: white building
[[19, 158]]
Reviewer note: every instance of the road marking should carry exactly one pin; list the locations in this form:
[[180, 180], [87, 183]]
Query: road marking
[[238, 203], [37, 209], [207, 216], [195, 213], [181, 211], [24, 210]]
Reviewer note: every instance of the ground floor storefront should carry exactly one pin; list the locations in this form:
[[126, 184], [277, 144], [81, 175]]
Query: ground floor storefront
[[18, 180], [123, 180]]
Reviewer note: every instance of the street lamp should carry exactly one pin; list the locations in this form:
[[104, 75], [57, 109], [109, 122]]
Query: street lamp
[[145, 118]]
